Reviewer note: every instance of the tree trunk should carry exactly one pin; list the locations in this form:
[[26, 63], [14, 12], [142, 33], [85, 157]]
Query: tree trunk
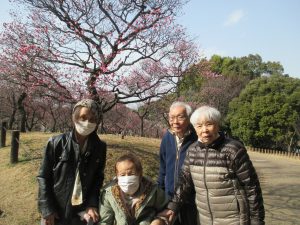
[[30, 126], [22, 111], [12, 119], [142, 126], [101, 128], [52, 113], [291, 143], [53, 129]]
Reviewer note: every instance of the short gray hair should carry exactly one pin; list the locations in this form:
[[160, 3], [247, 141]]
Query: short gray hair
[[207, 112], [187, 107]]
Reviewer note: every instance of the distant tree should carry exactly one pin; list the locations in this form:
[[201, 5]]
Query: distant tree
[[272, 68], [35, 115], [21, 108], [251, 66], [21, 65], [218, 92], [265, 114], [220, 79], [8, 104], [194, 77], [159, 109], [27, 74], [216, 63], [142, 113], [119, 120]]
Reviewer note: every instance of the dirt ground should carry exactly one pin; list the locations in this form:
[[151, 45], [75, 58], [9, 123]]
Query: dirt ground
[[280, 182]]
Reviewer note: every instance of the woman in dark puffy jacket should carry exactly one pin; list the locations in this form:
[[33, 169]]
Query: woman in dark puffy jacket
[[219, 170]]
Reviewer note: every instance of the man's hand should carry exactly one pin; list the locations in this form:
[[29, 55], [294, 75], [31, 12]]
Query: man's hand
[[167, 213], [50, 220], [91, 213], [158, 222]]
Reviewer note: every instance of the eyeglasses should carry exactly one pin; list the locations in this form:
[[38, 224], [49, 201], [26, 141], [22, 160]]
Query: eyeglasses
[[179, 118]]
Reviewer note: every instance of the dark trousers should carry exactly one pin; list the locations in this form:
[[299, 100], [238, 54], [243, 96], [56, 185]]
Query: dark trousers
[[187, 215]]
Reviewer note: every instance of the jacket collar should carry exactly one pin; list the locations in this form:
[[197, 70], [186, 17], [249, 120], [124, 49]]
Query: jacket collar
[[145, 190], [215, 144], [71, 142], [189, 132]]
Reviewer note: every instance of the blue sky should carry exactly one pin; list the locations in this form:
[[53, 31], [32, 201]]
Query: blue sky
[[270, 28]]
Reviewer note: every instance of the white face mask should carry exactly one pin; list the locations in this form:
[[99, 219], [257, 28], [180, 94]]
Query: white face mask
[[84, 128], [129, 184]]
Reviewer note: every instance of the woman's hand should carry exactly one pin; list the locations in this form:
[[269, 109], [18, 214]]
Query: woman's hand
[[167, 213], [91, 213], [158, 221], [50, 220]]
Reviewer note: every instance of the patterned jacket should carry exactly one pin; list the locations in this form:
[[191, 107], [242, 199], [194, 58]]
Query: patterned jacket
[[114, 211]]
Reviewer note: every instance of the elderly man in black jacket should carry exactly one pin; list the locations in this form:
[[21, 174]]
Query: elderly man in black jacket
[[72, 171]]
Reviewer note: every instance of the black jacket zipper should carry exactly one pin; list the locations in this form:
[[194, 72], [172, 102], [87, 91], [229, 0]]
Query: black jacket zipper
[[204, 174]]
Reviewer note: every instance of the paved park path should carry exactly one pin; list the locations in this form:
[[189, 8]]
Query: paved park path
[[280, 181]]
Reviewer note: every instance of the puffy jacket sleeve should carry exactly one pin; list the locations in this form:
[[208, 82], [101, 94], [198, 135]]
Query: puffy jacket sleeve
[[107, 215], [46, 204], [248, 178], [184, 188]]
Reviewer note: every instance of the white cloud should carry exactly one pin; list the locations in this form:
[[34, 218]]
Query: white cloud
[[234, 17]]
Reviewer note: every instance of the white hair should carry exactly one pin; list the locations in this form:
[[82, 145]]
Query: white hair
[[206, 112], [187, 107]]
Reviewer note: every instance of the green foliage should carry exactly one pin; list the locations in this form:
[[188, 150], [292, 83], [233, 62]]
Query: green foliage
[[274, 68], [216, 64], [193, 78], [250, 66], [244, 68], [265, 113], [259, 116], [158, 109]]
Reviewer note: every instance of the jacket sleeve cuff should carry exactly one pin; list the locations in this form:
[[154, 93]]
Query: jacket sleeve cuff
[[46, 211], [93, 202], [173, 206]]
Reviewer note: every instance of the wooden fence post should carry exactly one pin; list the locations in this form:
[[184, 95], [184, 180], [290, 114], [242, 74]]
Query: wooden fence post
[[3, 134], [15, 136]]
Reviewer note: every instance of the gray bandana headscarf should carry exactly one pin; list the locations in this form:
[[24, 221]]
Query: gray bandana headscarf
[[92, 105]]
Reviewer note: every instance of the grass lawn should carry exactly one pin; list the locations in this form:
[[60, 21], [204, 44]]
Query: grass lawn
[[18, 183]]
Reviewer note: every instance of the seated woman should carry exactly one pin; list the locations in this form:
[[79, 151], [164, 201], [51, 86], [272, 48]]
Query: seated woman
[[131, 199]]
